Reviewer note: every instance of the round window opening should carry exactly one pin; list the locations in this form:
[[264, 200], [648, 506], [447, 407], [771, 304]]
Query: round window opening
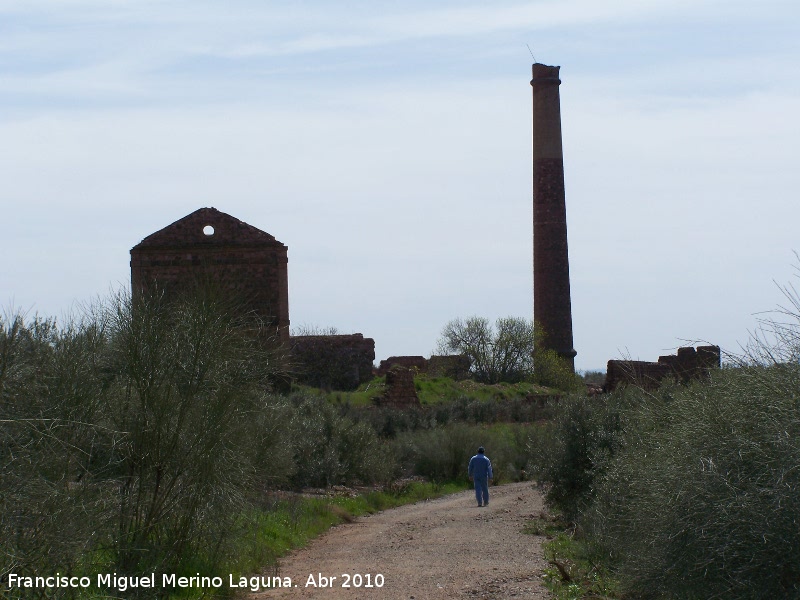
[[208, 230]]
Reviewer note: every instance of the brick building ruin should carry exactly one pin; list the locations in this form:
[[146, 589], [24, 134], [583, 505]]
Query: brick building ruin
[[455, 366], [552, 307], [400, 391], [687, 365], [333, 362], [251, 267], [211, 246]]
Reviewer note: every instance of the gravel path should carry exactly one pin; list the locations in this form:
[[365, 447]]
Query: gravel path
[[443, 548]]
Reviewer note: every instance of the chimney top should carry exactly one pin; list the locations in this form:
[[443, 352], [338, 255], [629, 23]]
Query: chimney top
[[544, 74]]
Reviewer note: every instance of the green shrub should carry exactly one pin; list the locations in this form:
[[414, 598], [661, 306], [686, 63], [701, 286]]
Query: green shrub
[[552, 371], [702, 502], [471, 410], [572, 454], [188, 389], [331, 449], [442, 454], [51, 391], [131, 435]]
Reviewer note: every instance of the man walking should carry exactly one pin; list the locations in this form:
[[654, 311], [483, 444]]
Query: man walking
[[480, 471]]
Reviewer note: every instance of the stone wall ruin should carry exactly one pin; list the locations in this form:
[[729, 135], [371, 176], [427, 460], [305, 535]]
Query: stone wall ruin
[[688, 364], [332, 362], [455, 366], [418, 364], [400, 391]]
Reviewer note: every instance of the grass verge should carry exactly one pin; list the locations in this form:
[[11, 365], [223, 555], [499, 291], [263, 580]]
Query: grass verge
[[573, 572]]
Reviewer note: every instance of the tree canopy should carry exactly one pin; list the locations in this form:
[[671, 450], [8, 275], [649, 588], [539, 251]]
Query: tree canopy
[[502, 351]]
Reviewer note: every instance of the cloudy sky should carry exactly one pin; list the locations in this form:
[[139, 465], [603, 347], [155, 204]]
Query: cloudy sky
[[387, 144]]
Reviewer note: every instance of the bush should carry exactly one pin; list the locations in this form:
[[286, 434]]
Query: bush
[[550, 370], [571, 455], [702, 502], [190, 375], [330, 449], [691, 491], [129, 435], [391, 422], [52, 388], [442, 454]]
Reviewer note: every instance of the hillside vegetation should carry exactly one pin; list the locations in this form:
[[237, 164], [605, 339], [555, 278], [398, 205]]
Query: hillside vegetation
[[687, 492], [437, 390], [146, 437]]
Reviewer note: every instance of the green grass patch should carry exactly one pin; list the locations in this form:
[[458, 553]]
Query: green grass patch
[[574, 572], [435, 390], [396, 495], [362, 396]]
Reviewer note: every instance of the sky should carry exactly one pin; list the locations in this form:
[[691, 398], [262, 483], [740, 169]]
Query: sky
[[388, 145]]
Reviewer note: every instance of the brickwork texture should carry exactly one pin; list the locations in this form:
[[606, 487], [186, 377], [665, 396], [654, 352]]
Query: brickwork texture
[[211, 246], [688, 364], [333, 362], [552, 305]]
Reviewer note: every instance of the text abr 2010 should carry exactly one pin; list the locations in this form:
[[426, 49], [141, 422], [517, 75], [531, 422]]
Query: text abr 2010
[[355, 580]]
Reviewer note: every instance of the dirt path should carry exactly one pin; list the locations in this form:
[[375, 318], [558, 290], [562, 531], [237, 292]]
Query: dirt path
[[443, 548]]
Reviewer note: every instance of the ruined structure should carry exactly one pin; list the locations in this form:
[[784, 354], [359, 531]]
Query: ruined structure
[[209, 246], [418, 364], [552, 308], [400, 390], [251, 267], [688, 364], [332, 362], [455, 366]]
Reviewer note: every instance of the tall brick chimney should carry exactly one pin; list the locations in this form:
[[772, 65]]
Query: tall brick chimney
[[552, 308]]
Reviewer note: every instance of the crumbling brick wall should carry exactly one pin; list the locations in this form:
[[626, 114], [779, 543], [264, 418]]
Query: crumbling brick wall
[[417, 363], [333, 362], [454, 366], [209, 246], [688, 364], [400, 391]]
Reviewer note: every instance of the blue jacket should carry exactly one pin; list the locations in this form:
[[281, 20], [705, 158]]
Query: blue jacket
[[480, 467]]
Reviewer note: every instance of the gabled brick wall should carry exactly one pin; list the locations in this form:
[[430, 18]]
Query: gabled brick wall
[[211, 246]]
